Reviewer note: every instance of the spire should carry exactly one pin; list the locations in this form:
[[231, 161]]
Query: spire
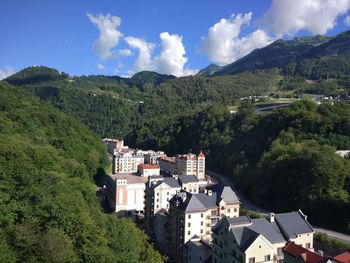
[[201, 154]]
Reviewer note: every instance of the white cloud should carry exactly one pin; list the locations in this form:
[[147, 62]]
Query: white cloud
[[287, 17], [223, 44], [347, 20], [109, 34], [6, 72], [171, 59], [144, 60], [100, 67], [125, 52]]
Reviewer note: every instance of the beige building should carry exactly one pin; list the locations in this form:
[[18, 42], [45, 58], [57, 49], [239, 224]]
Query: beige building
[[148, 170], [195, 214], [126, 162], [191, 164], [115, 145], [126, 193], [245, 240]]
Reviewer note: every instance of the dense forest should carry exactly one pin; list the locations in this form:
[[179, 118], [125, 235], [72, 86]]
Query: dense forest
[[49, 211], [283, 161]]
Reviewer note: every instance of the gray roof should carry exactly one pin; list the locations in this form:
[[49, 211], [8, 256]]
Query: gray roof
[[239, 221], [184, 179], [172, 182], [293, 223], [225, 192], [268, 229], [206, 200], [192, 204]]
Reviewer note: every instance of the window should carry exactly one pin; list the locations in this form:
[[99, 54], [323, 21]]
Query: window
[[235, 210], [267, 257], [189, 217], [201, 231], [157, 194], [167, 193], [189, 224], [252, 260], [222, 208], [228, 210], [157, 206], [307, 245], [201, 223], [202, 215], [188, 232]]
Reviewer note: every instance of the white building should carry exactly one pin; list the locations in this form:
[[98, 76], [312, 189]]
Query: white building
[[126, 162], [191, 164], [148, 169], [115, 145], [126, 193]]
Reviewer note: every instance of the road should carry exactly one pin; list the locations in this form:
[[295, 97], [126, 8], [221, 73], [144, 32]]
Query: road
[[248, 204]]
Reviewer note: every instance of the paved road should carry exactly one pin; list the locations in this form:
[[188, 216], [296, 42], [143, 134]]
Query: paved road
[[248, 204], [333, 234]]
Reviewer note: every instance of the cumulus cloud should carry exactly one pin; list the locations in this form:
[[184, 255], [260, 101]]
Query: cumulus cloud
[[6, 72], [109, 34], [170, 60], [287, 17], [144, 60], [224, 45], [347, 20]]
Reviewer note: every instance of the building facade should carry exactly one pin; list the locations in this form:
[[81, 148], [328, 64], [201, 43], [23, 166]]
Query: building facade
[[146, 170], [126, 162]]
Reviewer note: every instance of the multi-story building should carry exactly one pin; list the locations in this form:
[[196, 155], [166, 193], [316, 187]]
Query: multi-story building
[[159, 190], [189, 183], [148, 169], [191, 164], [126, 162], [167, 165], [195, 214], [153, 157], [245, 240], [126, 193], [115, 145], [198, 251]]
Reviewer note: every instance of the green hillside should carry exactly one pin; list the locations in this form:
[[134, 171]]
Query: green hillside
[[113, 107], [49, 211], [283, 161]]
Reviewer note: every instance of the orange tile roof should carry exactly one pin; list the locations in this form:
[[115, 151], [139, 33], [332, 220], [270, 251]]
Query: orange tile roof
[[148, 166], [343, 257], [201, 154], [307, 255]]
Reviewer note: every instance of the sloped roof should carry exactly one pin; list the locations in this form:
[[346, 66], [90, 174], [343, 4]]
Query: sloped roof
[[192, 204], [293, 224], [209, 201], [268, 229], [148, 166], [299, 252], [343, 258], [172, 182], [227, 194], [184, 179]]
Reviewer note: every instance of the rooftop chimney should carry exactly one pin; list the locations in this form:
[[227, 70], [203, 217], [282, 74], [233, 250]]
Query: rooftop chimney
[[210, 192], [272, 217]]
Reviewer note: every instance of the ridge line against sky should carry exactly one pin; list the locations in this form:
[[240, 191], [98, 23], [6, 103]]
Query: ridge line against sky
[[125, 37]]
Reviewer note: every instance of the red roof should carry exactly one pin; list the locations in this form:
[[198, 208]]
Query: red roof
[[343, 257], [148, 166], [307, 255], [201, 154]]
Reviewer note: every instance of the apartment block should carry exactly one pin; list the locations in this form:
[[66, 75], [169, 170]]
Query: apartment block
[[195, 214], [245, 240], [126, 162], [198, 251], [191, 164]]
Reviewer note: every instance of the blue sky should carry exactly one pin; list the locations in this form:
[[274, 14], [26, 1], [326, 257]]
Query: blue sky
[[172, 37]]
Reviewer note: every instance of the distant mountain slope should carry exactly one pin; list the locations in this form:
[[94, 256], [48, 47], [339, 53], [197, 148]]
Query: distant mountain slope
[[209, 71], [151, 77], [276, 55]]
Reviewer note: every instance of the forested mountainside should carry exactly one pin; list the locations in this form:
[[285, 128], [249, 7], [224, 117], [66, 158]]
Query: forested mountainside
[[112, 106], [283, 161], [49, 211]]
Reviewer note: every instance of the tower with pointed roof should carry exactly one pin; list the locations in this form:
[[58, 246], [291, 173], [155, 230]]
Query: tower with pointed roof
[[201, 166]]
